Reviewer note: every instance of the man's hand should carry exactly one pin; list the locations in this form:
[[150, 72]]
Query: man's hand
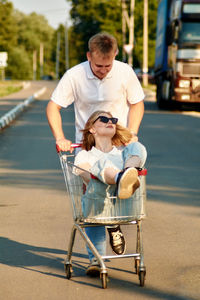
[[64, 145], [133, 139]]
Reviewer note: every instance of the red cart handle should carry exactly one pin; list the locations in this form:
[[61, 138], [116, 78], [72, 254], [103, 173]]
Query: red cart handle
[[73, 145], [142, 172]]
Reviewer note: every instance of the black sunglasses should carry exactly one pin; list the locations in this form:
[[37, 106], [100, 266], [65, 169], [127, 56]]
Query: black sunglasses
[[104, 119]]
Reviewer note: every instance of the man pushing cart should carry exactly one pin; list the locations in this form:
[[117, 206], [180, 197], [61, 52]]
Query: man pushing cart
[[102, 82]]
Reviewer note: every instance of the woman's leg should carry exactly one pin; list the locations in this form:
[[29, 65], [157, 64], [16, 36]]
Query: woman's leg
[[134, 155], [113, 164], [97, 235], [110, 175]]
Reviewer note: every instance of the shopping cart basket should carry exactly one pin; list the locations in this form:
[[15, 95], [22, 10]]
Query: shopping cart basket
[[111, 211]]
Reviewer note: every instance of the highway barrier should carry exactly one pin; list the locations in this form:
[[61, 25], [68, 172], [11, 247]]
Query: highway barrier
[[13, 113]]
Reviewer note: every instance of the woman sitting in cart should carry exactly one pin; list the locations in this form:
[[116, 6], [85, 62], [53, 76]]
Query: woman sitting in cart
[[109, 158]]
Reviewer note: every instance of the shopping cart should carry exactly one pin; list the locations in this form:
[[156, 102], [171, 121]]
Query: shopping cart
[[112, 211]]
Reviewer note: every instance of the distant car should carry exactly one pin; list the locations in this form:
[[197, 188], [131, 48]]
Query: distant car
[[139, 74], [47, 77]]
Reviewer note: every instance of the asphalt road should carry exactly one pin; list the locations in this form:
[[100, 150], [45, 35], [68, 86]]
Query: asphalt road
[[35, 217]]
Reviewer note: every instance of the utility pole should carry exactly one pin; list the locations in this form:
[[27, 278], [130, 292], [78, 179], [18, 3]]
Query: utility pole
[[34, 64], [41, 59], [66, 48], [129, 21], [57, 54], [131, 32], [145, 44], [123, 30]]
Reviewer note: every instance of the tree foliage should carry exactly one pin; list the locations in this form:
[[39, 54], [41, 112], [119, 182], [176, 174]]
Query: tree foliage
[[34, 30], [138, 32], [92, 16], [19, 64], [7, 26], [20, 35]]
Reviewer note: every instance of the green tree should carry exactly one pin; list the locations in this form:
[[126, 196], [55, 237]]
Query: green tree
[[92, 16], [153, 5], [138, 16], [19, 64], [20, 35], [34, 30], [7, 26]]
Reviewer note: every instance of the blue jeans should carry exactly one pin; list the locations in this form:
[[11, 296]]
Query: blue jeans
[[97, 234]]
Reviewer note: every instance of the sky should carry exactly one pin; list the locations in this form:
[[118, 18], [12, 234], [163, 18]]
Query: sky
[[55, 11]]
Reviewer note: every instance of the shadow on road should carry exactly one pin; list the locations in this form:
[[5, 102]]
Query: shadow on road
[[31, 257], [38, 259]]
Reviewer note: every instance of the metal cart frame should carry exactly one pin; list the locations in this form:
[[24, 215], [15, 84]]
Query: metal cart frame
[[80, 222]]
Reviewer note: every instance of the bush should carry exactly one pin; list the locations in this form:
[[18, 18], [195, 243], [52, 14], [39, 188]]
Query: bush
[[19, 64]]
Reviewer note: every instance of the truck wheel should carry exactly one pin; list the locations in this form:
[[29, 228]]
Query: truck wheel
[[160, 100]]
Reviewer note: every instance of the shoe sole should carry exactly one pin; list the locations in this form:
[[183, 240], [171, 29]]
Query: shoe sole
[[118, 253], [129, 182], [93, 271]]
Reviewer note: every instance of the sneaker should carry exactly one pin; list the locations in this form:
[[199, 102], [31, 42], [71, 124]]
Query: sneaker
[[127, 183], [93, 269], [117, 240]]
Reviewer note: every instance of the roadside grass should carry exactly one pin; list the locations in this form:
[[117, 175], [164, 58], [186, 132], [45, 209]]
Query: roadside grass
[[9, 87]]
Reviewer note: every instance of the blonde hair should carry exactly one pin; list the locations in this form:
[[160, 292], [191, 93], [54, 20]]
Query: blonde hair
[[103, 43], [121, 137]]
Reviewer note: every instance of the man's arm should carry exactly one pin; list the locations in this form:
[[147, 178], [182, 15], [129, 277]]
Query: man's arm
[[55, 123], [136, 112]]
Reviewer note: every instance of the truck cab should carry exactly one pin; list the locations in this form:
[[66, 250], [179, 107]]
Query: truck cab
[[177, 62]]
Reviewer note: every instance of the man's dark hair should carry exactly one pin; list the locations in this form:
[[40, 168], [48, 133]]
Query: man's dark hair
[[104, 43]]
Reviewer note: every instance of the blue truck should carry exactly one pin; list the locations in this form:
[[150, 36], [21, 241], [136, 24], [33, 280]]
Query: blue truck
[[177, 59]]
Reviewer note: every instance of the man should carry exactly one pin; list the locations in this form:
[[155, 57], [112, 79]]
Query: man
[[100, 83]]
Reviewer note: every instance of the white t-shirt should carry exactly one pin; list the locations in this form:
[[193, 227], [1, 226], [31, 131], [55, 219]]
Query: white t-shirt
[[113, 93], [93, 155]]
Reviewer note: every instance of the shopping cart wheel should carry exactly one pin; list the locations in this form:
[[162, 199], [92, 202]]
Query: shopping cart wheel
[[142, 275], [104, 280], [68, 270], [137, 265]]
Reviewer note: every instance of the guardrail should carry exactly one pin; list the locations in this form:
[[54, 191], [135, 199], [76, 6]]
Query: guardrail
[[13, 113]]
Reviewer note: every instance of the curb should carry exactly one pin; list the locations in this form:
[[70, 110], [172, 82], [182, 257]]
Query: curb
[[13, 113]]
